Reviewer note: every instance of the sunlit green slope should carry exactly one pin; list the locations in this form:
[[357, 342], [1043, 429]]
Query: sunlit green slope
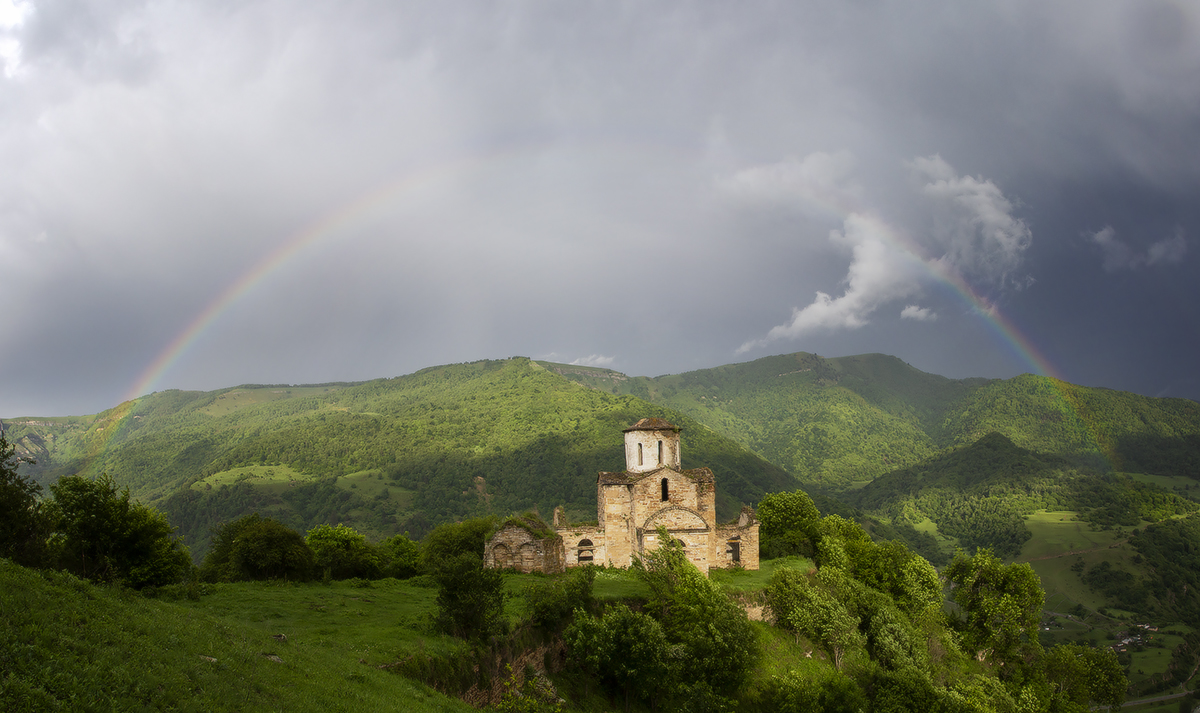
[[385, 455], [832, 422], [68, 645]]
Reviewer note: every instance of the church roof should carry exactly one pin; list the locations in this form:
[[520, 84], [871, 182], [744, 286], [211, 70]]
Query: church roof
[[698, 475], [652, 424]]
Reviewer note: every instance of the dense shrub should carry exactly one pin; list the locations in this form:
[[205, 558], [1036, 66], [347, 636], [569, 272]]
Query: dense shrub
[[446, 542], [24, 522], [470, 598], [255, 547], [101, 534], [551, 602], [399, 557], [343, 552]]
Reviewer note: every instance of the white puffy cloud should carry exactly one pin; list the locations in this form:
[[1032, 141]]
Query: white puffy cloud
[[12, 16], [974, 226], [1118, 255], [920, 314], [880, 271], [975, 237]]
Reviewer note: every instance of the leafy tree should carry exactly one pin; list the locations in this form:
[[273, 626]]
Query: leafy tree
[[826, 621], [920, 589], [1080, 676], [446, 542], [788, 524], [343, 552], [1003, 604], [892, 640], [586, 639], [255, 547], [102, 534], [470, 599], [830, 692], [552, 601], [24, 522], [400, 557], [787, 591], [718, 642], [983, 694], [626, 649]]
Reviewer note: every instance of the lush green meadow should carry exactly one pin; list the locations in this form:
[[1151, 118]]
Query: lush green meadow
[[73, 645], [66, 644]]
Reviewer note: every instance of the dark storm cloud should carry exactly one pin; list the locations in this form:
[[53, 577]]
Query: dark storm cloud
[[541, 172]]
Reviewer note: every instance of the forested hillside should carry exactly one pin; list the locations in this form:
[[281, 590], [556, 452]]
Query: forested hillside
[[385, 455], [502, 436], [980, 495], [832, 422]]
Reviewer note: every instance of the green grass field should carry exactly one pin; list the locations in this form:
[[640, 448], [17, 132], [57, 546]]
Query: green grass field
[[1058, 533], [1177, 483], [271, 646], [257, 475], [73, 646], [367, 484], [235, 399]]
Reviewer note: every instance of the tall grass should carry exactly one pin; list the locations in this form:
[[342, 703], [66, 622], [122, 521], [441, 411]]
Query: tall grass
[[66, 644]]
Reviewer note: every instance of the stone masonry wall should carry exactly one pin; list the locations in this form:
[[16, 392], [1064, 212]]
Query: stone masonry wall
[[646, 458], [747, 538], [617, 506], [516, 548], [575, 541], [682, 491]]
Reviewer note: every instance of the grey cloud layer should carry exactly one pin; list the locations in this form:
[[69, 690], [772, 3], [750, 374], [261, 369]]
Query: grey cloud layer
[[553, 168]]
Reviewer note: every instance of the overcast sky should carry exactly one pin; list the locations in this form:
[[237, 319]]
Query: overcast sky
[[201, 194]]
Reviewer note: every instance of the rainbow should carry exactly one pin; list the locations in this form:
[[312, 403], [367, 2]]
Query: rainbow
[[111, 423], [335, 220]]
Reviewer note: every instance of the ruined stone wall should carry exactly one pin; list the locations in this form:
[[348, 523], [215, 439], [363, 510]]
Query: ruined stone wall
[[516, 548], [576, 544], [697, 545], [746, 537], [619, 528]]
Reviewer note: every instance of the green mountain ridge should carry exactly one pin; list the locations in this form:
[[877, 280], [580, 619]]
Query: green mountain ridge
[[405, 453], [980, 495], [835, 422], [384, 456]]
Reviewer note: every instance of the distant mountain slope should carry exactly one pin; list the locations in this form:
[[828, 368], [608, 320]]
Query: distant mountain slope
[[445, 442], [980, 494], [831, 422], [499, 436]]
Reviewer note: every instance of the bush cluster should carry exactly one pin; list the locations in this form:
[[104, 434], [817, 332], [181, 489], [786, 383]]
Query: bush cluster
[[88, 527]]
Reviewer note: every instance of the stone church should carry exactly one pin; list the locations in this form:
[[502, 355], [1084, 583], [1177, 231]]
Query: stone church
[[631, 505]]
